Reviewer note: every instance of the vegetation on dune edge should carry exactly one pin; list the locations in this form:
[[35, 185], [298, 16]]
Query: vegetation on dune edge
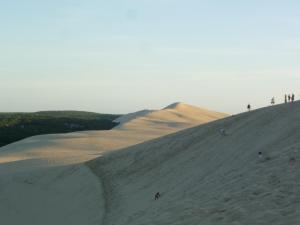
[[17, 126]]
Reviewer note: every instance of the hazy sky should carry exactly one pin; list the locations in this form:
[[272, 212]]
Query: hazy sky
[[119, 56]]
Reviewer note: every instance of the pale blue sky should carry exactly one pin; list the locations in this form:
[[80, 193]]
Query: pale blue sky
[[121, 56]]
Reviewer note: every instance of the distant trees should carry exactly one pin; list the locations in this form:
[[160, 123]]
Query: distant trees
[[16, 126]]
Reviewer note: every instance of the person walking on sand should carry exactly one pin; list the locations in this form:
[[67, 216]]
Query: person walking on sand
[[157, 196], [285, 98], [222, 131], [273, 101], [293, 98], [289, 98], [249, 107]]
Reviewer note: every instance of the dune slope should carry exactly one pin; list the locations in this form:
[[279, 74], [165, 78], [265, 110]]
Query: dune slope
[[43, 179], [207, 178], [174, 117]]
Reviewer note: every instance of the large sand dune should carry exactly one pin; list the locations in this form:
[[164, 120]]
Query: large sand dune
[[174, 117], [206, 178], [43, 180]]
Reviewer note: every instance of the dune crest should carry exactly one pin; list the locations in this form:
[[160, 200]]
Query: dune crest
[[177, 105], [174, 117]]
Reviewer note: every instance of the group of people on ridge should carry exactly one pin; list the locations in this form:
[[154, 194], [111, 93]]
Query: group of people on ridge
[[287, 98]]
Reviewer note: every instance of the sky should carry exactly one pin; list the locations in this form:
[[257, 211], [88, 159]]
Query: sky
[[121, 56]]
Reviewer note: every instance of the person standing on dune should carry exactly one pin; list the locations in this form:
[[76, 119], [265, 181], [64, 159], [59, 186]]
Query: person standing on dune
[[273, 101], [249, 107], [285, 98]]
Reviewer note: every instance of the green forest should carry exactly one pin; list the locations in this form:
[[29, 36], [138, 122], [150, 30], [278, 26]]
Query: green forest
[[17, 126]]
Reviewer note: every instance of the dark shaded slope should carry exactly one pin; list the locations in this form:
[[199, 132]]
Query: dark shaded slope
[[206, 178]]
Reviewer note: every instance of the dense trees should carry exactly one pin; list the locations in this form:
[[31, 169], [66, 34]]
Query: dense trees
[[16, 126]]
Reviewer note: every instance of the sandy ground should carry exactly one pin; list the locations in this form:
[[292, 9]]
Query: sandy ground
[[43, 179], [207, 178]]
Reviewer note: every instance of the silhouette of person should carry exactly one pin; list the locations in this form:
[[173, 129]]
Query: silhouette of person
[[249, 107], [289, 98], [285, 98], [273, 101], [157, 195], [293, 98], [223, 131]]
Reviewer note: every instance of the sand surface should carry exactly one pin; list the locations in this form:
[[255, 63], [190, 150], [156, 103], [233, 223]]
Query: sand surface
[[207, 178], [43, 179]]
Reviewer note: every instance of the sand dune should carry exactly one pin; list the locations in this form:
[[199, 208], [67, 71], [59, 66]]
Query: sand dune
[[43, 180], [63, 149], [207, 178], [174, 117]]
